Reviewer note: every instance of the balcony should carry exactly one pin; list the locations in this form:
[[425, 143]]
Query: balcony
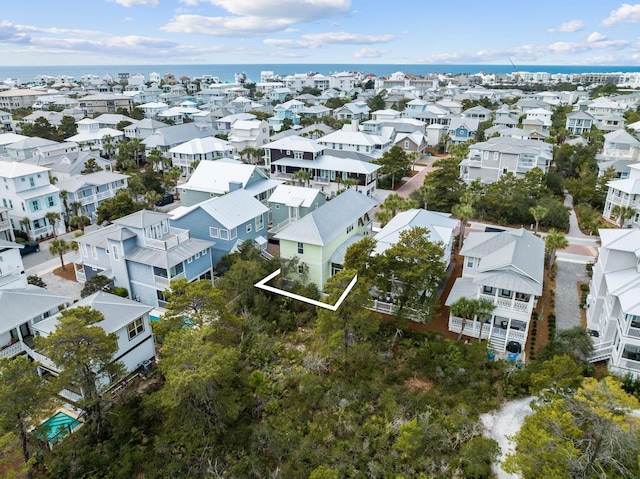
[[509, 303], [321, 179], [471, 328], [163, 282], [5, 225], [281, 175], [40, 232], [103, 195], [171, 240], [10, 277]]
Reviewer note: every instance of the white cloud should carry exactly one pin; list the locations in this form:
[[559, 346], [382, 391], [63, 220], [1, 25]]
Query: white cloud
[[131, 3], [293, 10], [254, 18], [569, 27], [315, 40], [625, 14], [225, 26], [370, 53], [55, 31], [596, 37]]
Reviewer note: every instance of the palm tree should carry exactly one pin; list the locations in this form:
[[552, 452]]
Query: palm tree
[[136, 147], [349, 182], [425, 193], [538, 212], [52, 217], [383, 217], [76, 206], [59, 247], [80, 221], [108, 145], [64, 196], [302, 176], [156, 158], [623, 213], [464, 211], [26, 224], [173, 175], [466, 309], [554, 240], [151, 197]]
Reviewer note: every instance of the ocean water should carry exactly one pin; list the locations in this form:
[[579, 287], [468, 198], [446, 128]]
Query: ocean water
[[226, 72]]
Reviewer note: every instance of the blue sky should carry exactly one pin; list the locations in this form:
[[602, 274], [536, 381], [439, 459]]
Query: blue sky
[[110, 32]]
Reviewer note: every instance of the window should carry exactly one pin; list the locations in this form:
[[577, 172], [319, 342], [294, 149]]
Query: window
[[300, 269], [300, 248], [249, 228], [50, 201], [116, 253], [197, 255], [406, 144], [214, 232], [349, 229], [35, 205], [84, 250], [94, 252], [505, 293], [135, 327], [488, 289], [469, 262], [298, 155], [277, 206], [496, 156], [204, 252], [190, 259], [224, 234], [259, 222], [177, 269], [32, 183]]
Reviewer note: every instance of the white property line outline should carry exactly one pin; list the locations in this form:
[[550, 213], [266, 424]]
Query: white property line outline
[[262, 284]]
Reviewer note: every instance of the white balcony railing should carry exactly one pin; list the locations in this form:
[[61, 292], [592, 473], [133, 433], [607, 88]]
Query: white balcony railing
[[509, 303], [321, 179], [164, 282], [12, 350], [173, 239], [279, 175], [634, 332], [103, 195], [5, 225], [471, 328]]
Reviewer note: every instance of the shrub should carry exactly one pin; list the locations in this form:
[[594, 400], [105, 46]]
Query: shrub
[[584, 287]]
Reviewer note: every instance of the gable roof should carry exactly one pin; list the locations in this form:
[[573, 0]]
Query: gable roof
[[117, 312], [27, 303], [141, 219], [512, 260], [230, 210], [214, 176], [440, 225], [291, 195], [327, 222], [202, 145], [74, 183], [295, 143]]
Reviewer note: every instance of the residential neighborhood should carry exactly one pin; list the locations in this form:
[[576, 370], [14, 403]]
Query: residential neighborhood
[[418, 231]]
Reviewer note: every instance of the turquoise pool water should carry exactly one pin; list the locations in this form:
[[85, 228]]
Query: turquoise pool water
[[153, 318], [58, 426]]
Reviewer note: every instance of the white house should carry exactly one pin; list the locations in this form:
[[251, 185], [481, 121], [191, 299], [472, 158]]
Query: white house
[[506, 268], [12, 273], [613, 303], [199, 149], [624, 193], [127, 319], [92, 190], [27, 192]]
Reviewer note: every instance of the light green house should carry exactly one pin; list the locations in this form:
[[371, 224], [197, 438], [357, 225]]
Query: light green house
[[315, 237]]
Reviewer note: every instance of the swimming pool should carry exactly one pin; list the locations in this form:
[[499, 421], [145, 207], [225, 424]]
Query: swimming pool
[[58, 426]]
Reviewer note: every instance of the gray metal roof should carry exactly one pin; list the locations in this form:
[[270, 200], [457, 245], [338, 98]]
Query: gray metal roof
[[24, 304], [214, 176], [440, 225], [98, 178], [331, 163], [507, 255], [168, 258], [233, 209], [173, 135], [117, 312], [291, 195], [322, 225], [462, 288], [141, 219]]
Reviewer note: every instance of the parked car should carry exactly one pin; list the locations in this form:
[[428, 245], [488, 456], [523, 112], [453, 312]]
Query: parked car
[[29, 247], [166, 199]]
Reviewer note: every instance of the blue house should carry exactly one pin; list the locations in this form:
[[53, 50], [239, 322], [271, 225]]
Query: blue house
[[289, 110], [142, 252], [227, 220], [462, 130]]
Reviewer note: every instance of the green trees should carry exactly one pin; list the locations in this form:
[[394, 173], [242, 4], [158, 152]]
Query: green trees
[[68, 127], [26, 397], [51, 218], [583, 434], [85, 355], [25, 223], [80, 221], [117, 207], [554, 240], [59, 247], [623, 213], [413, 270], [390, 207], [301, 176], [464, 211], [91, 166], [395, 163], [40, 128], [377, 102], [538, 212], [94, 284], [466, 309], [445, 183]]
